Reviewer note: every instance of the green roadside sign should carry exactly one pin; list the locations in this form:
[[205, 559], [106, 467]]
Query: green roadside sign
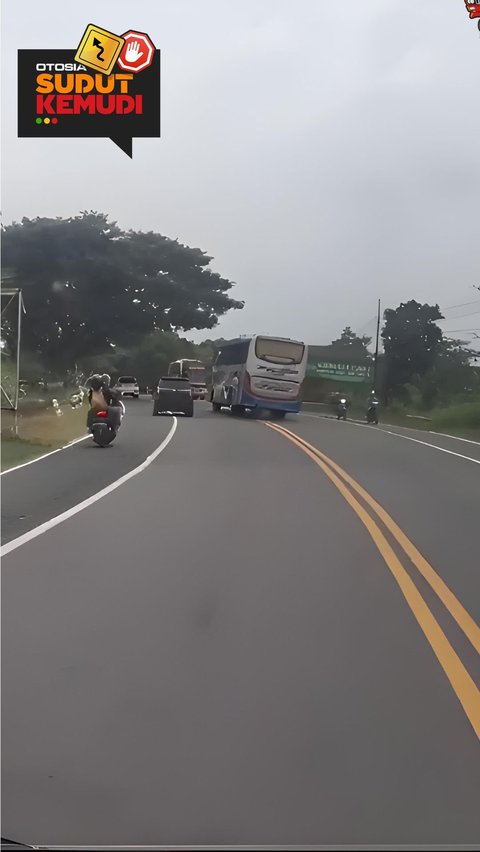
[[339, 372]]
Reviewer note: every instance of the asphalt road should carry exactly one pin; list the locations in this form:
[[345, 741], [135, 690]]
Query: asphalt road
[[33, 494], [223, 650]]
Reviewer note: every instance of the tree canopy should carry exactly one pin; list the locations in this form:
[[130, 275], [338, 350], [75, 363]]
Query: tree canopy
[[90, 286], [411, 341], [449, 374], [351, 343]]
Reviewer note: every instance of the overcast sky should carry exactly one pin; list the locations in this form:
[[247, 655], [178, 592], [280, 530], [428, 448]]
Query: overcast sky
[[324, 152]]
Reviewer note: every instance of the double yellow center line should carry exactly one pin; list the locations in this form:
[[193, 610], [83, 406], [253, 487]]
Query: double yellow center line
[[460, 680]]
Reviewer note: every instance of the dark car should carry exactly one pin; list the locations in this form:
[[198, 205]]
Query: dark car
[[173, 395]]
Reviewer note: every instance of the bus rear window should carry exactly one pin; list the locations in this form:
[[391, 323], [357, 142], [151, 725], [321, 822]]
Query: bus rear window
[[279, 351]]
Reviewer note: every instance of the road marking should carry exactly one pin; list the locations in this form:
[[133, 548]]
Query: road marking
[[74, 510], [45, 455], [455, 438], [455, 608], [380, 427], [459, 678], [405, 437], [433, 446]]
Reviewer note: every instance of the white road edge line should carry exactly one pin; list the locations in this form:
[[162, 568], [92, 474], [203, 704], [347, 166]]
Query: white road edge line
[[455, 438], [45, 455], [433, 446], [380, 427], [405, 437], [74, 510]]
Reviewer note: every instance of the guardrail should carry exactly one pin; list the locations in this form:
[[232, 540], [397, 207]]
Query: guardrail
[[418, 417]]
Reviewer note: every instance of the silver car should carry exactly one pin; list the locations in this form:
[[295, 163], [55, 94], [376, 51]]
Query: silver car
[[128, 386]]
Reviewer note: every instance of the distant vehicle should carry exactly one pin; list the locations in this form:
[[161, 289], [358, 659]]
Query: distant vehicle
[[173, 395], [128, 386], [195, 372], [259, 372]]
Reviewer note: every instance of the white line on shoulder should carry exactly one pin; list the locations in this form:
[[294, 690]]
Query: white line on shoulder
[[433, 446], [53, 522], [405, 437], [455, 438]]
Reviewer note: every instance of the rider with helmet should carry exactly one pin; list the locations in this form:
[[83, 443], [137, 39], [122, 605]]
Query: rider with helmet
[[101, 395], [372, 408]]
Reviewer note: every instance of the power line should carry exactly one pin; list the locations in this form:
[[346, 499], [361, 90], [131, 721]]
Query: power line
[[460, 316], [369, 323], [461, 305]]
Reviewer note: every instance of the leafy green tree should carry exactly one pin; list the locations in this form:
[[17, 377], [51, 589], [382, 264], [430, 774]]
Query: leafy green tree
[[150, 359], [90, 287], [411, 341], [450, 375], [351, 343]]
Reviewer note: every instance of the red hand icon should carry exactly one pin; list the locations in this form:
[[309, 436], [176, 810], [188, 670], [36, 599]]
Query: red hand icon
[[137, 52]]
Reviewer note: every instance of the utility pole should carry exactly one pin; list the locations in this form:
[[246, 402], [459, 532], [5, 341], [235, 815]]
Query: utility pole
[[375, 363]]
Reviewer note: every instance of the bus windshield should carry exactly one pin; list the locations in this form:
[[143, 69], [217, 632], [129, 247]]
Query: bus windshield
[[279, 351], [194, 370]]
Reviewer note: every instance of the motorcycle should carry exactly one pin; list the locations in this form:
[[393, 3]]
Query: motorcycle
[[104, 424], [372, 413], [342, 410]]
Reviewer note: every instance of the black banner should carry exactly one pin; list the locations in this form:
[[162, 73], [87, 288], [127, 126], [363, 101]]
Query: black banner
[[59, 97]]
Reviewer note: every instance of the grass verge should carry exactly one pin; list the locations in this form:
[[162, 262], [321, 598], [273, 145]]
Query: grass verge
[[15, 451], [461, 421], [35, 432]]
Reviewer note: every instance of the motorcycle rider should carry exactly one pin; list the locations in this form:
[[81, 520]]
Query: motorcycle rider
[[101, 395], [342, 407], [112, 396], [372, 407], [96, 398]]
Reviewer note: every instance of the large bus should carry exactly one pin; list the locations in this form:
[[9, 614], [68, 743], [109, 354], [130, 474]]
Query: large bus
[[259, 372], [196, 373]]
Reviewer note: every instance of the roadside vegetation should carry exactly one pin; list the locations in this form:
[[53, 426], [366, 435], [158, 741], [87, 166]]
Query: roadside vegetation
[[38, 429], [461, 421], [102, 299], [424, 379]]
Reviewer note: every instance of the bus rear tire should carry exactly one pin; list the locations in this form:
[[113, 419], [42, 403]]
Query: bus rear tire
[[277, 415], [216, 407], [237, 410]]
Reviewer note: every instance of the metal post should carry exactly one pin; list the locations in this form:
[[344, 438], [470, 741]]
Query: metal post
[[376, 349], [19, 331], [12, 397]]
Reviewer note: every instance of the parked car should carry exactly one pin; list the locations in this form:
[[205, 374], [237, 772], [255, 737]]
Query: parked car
[[128, 386], [200, 392], [173, 395]]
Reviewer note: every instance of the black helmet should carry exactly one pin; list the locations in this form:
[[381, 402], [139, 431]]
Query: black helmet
[[106, 379], [95, 383], [96, 376]]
